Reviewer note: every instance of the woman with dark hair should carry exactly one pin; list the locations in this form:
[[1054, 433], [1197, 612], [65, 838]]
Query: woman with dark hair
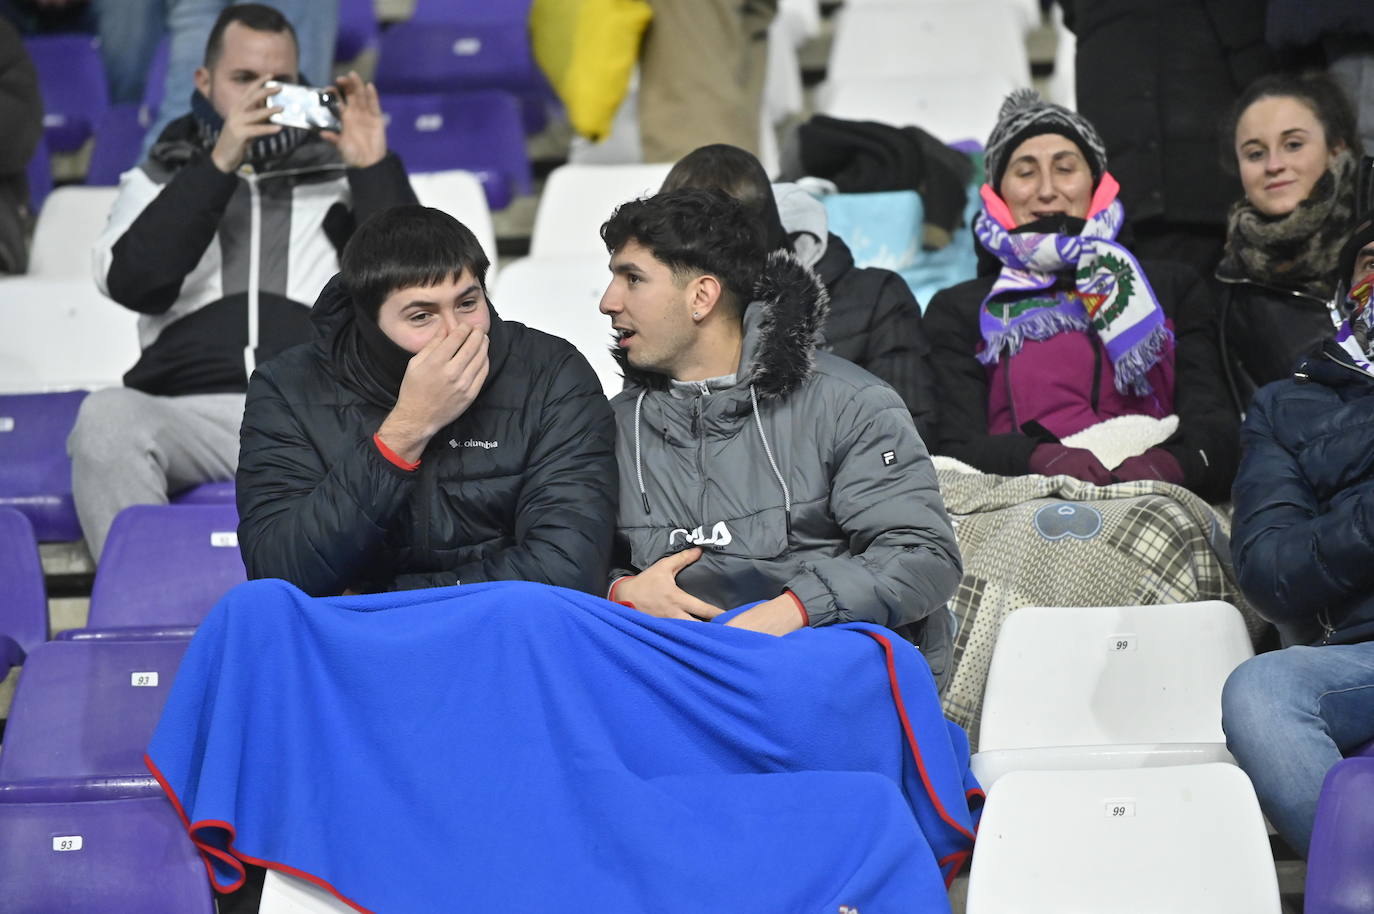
[[874, 321], [422, 441], [1292, 141], [1065, 329]]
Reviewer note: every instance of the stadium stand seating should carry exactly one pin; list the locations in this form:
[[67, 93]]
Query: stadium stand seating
[[35, 472], [358, 30], [962, 109], [98, 857], [1108, 687], [1174, 840], [283, 894], [939, 40], [208, 493], [82, 716], [578, 198], [559, 295], [166, 565], [39, 174], [69, 224], [477, 131], [24, 602], [71, 77], [1340, 879], [118, 144], [62, 334]]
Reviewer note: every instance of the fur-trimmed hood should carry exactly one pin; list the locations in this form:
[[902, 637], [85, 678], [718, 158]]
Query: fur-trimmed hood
[[781, 329]]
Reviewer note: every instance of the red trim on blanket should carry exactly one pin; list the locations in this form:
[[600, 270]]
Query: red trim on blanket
[[235, 858], [916, 749]]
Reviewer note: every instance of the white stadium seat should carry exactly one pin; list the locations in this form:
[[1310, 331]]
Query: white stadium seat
[[950, 110], [559, 295], [68, 227], [578, 198], [1108, 687], [1179, 840], [62, 334], [283, 894]]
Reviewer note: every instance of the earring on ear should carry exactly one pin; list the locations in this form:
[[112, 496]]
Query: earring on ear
[[696, 315]]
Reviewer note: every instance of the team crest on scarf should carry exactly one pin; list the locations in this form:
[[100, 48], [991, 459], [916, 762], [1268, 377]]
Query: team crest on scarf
[[1352, 333], [1111, 296]]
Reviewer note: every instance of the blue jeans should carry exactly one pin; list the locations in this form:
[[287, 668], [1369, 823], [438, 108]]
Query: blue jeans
[[1289, 716], [131, 29]]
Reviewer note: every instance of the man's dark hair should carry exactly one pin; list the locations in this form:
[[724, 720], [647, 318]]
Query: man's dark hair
[[739, 174], [408, 246], [1319, 92], [692, 231], [255, 16]]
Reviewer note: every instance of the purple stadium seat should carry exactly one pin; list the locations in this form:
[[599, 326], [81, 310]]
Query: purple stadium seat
[[98, 857], [118, 143], [1340, 861], [35, 472], [86, 710], [71, 77], [208, 493], [39, 173], [156, 82], [357, 29], [23, 602], [472, 131], [166, 565]]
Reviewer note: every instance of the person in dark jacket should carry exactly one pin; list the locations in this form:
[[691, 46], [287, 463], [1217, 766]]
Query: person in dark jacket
[[1292, 141], [423, 441], [1156, 77], [1303, 541], [874, 321], [1066, 330], [21, 111], [752, 467], [220, 240], [1338, 34]]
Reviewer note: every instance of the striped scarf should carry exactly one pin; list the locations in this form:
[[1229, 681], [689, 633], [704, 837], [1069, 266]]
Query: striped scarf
[[1352, 333], [1110, 294]]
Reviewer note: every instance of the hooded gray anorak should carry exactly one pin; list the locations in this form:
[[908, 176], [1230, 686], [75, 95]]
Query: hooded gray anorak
[[802, 472]]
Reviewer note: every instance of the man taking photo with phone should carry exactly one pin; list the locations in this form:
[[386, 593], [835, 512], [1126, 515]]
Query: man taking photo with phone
[[220, 240]]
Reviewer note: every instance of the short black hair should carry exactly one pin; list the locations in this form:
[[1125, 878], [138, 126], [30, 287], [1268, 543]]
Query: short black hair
[[256, 16], [408, 246], [739, 174], [695, 230], [1319, 92]]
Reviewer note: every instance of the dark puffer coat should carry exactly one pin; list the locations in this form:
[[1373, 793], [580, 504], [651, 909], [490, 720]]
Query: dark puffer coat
[[875, 322], [1265, 332], [1303, 532], [521, 487], [1205, 444]]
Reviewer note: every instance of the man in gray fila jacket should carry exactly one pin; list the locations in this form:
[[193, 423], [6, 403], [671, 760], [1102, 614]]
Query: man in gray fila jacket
[[753, 467]]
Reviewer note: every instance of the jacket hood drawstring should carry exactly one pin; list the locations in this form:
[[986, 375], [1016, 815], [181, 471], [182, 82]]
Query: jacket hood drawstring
[[763, 436]]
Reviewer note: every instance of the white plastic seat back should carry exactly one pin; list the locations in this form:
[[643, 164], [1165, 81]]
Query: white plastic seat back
[[62, 334], [460, 194], [1025, 12], [578, 198], [559, 295], [283, 894], [950, 37], [951, 110], [1178, 840], [1109, 686], [68, 226]]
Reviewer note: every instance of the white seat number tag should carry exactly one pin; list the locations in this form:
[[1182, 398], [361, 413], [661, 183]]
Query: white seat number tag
[[1120, 809], [6, 423], [66, 843], [146, 680], [1118, 643], [227, 538]]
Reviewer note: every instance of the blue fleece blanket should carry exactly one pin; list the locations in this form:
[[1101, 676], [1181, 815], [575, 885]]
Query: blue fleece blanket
[[516, 747]]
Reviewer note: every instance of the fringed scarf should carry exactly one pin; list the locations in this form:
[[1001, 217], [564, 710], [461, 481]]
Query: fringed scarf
[[1352, 334], [1298, 251], [1110, 293]]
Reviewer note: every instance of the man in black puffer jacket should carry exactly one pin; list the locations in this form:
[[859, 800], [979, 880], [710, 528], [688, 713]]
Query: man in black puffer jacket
[[1303, 539], [423, 441]]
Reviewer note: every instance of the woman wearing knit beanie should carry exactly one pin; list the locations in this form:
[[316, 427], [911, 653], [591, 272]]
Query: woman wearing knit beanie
[[1291, 138], [1065, 329]]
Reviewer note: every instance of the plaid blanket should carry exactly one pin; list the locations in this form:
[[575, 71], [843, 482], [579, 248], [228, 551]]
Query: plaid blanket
[[1056, 541]]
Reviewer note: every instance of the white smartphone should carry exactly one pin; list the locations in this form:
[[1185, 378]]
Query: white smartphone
[[305, 106]]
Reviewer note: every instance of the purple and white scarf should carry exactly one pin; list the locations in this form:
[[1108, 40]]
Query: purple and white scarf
[[1353, 332], [1111, 295]]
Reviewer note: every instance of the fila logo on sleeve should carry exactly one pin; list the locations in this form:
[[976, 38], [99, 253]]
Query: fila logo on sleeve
[[889, 458]]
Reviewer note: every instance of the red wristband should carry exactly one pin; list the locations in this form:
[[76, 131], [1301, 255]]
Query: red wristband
[[610, 594], [806, 619], [392, 456]]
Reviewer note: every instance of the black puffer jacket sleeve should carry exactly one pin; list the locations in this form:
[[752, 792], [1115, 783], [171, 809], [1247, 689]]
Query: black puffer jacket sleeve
[[951, 322], [316, 522], [1301, 551], [1207, 443], [896, 350]]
